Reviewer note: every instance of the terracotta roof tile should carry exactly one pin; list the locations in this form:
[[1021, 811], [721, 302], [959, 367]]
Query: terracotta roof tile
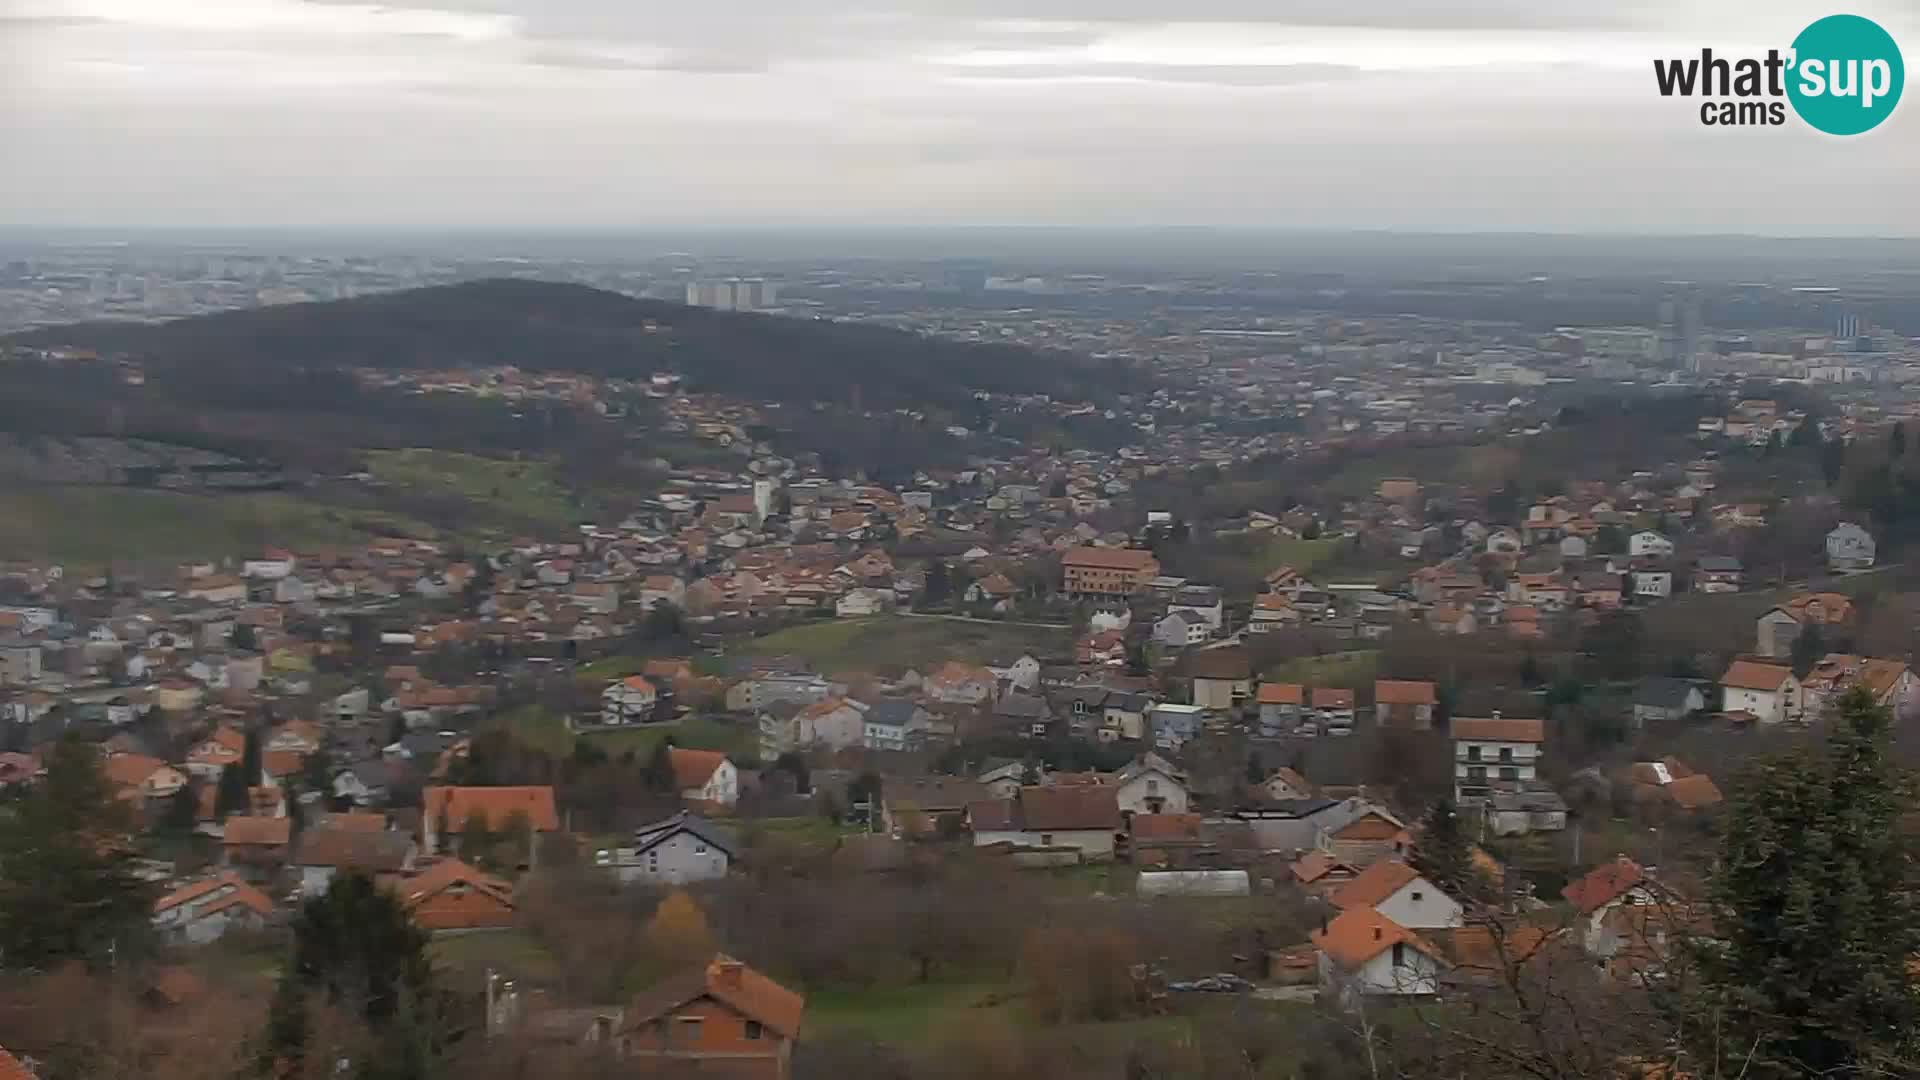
[[1361, 933], [1375, 884], [1499, 729], [1403, 692], [1603, 885], [257, 830], [693, 768], [1753, 675], [456, 804]]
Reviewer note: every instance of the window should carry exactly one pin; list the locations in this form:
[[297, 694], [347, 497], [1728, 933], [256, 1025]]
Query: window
[[754, 1031], [699, 849], [1046, 839], [1509, 773], [1153, 787], [1418, 896], [1473, 753], [1477, 774], [1399, 954], [689, 1030], [1506, 753]]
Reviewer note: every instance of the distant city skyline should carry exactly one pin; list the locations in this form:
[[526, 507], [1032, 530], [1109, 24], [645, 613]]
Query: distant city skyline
[[585, 114]]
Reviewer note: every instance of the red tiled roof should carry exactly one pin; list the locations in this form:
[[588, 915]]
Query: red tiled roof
[[1100, 558], [1150, 827], [729, 982], [693, 768], [1375, 884], [1499, 729], [265, 831], [1754, 675], [1403, 692], [1280, 693], [1603, 885], [1361, 933], [456, 804]]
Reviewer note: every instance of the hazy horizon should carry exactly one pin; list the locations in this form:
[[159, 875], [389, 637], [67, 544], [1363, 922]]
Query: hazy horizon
[[1536, 118]]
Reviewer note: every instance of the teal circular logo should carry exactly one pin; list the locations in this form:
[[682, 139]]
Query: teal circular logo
[[1846, 75]]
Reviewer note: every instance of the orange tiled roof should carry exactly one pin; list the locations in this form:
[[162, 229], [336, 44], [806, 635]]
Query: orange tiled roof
[[1499, 729], [496, 804], [1754, 675], [693, 768], [1280, 693], [1403, 692], [1375, 884], [257, 830], [1603, 885], [1361, 933]]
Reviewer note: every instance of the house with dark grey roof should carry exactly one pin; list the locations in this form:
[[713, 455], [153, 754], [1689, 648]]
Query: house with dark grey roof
[[685, 847], [1024, 714], [895, 724], [1662, 700]]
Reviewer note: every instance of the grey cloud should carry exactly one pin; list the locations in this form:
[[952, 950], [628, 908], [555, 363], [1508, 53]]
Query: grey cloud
[[1208, 74], [688, 62]]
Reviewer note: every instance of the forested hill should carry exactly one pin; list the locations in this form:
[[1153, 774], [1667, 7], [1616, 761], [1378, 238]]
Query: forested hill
[[560, 327]]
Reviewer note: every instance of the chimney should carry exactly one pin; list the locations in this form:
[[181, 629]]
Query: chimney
[[726, 974]]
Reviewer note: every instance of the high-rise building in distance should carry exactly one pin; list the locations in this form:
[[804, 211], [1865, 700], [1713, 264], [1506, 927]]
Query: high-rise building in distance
[[732, 294]]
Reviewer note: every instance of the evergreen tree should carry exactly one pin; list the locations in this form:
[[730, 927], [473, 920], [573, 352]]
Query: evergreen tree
[[1443, 854], [1897, 441], [68, 891], [183, 811], [356, 948], [476, 837], [1833, 460], [1530, 671], [244, 637], [660, 768], [1809, 973], [1807, 650], [1256, 770], [230, 797], [939, 584], [250, 757]]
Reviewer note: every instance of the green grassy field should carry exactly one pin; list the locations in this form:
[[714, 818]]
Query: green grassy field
[[548, 731], [97, 525], [903, 1015], [1356, 669], [899, 640], [504, 496], [515, 954]]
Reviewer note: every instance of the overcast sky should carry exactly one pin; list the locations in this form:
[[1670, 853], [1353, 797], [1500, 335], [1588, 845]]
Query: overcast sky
[[1414, 114]]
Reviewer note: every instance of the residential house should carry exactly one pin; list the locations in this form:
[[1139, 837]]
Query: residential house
[[833, 723], [1652, 582], [1890, 681], [1369, 833], [1647, 543], [214, 753], [765, 691], [631, 700], [1718, 574], [705, 777], [445, 811], [1670, 783], [1664, 700], [1099, 571], [1404, 703], [1123, 716], [1849, 547], [324, 854], [1494, 753], [724, 1018], [256, 847], [684, 848], [1179, 629], [203, 911], [20, 661], [1286, 784], [1173, 726], [1362, 953], [955, 683], [1201, 600], [895, 724], [1603, 890], [858, 602], [1402, 894], [1333, 710], [1767, 692], [1221, 677], [139, 777], [1150, 785], [1779, 628], [927, 807], [1280, 705], [448, 896], [1081, 818], [1529, 810]]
